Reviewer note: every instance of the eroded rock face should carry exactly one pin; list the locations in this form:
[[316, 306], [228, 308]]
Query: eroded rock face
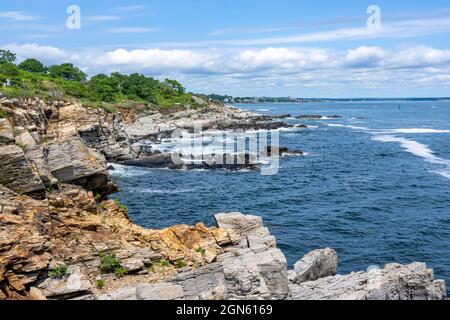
[[238, 273], [69, 227], [394, 282], [314, 265], [16, 172], [52, 145], [6, 131]]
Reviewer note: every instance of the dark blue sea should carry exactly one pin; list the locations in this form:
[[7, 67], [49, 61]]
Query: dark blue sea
[[374, 185]]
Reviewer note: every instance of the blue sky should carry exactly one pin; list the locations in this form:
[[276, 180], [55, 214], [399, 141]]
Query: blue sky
[[248, 47]]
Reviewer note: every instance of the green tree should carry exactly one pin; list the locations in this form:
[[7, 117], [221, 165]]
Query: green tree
[[175, 85], [104, 88], [67, 71], [138, 87], [7, 56], [32, 65], [9, 69]]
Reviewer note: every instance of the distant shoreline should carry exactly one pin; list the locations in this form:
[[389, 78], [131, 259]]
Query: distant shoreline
[[344, 100]]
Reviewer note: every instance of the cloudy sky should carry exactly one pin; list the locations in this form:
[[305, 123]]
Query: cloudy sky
[[248, 47]]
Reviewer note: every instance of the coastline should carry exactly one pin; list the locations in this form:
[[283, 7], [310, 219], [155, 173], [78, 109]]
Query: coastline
[[55, 212]]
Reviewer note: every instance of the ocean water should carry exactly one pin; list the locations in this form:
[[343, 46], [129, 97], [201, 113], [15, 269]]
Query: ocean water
[[374, 185]]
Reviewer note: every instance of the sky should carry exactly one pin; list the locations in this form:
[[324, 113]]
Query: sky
[[321, 48]]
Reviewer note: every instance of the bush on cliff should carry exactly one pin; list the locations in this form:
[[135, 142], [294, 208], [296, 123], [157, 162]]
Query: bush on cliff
[[67, 82], [110, 264]]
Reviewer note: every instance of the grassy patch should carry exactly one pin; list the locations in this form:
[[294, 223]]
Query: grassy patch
[[181, 264], [121, 205], [110, 264], [59, 272], [200, 250], [21, 145], [163, 263], [100, 283], [3, 114]]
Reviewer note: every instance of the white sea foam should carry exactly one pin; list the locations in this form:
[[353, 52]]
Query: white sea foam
[[415, 130], [334, 125], [344, 126], [444, 173], [418, 149], [163, 191]]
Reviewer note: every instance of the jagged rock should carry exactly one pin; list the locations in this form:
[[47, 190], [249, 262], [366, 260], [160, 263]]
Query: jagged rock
[[37, 157], [25, 139], [16, 172], [6, 131], [238, 223], [71, 160], [394, 282], [260, 269], [205, 283], [160, 291], [314, 265], [145, 291], [75, 284], [36, 294]]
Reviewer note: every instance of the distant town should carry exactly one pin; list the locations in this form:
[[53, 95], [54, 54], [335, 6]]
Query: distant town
[[231, 99]]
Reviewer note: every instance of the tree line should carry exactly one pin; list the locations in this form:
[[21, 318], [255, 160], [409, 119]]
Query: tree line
[[101, 88]]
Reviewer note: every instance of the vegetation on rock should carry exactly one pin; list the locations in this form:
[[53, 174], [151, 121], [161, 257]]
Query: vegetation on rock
[[67, 82], [110, 264], [59, 272]]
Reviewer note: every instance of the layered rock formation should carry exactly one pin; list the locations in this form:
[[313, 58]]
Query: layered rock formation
[[60, 238]]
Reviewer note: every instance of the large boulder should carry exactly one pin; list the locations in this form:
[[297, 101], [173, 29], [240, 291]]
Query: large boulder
[[394, 282], [16, 172], [255, 268], [74, 284], [314, 265], [71, 161], [145, 291], [6, 131]]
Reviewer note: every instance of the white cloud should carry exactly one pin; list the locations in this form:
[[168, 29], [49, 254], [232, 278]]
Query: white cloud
[[157, 60], [365, 56], [259, 71], [395, 29], [17, 16], [47, 54]]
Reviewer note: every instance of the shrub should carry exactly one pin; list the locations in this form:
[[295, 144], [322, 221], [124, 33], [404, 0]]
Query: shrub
[[3, 114], [100, 283], [120, 205], [110, 264], [120, 272], [181, 264], [164, 263], [59, 272], [200, 250], [21, 145]]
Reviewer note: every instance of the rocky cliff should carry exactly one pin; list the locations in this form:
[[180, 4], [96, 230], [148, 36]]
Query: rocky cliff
[[61, 238]]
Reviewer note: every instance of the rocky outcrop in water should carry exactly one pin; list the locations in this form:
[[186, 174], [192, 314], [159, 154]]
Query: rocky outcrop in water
[[394, 282]]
